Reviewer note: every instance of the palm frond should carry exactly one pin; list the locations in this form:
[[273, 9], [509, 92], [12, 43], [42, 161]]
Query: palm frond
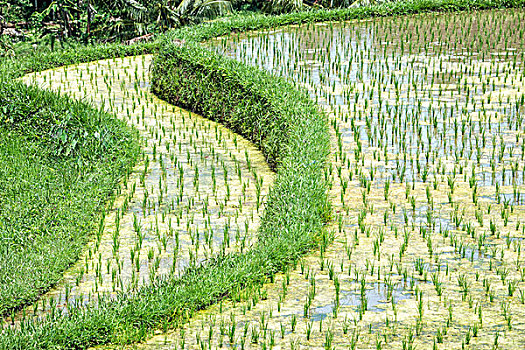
[[214, 8], [195, 10], [283, 6]]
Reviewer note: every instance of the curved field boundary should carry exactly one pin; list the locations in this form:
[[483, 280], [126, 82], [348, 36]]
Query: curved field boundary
[[287, 127], [132, 318], [60, 159], [198, 190]]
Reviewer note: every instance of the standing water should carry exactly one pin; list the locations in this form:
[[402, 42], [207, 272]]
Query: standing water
[[428, 173], [199, 189]]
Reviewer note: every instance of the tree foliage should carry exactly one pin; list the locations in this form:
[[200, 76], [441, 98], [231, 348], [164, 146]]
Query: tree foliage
[[119, 20]]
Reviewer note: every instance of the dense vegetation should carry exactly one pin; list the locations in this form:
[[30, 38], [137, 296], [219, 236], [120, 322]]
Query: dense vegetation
[[61, 160], [89, 20], [295, 144]]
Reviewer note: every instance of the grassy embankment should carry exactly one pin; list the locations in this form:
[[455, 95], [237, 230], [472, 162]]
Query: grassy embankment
[[61, 162], [292, 135]]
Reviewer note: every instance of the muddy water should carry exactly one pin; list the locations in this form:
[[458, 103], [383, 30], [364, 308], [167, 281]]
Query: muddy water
[[198, 189], [428, 180]]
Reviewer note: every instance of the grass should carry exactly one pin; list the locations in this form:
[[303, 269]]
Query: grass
[[34, 61], [61, 161], [296, 209], [155, 222]]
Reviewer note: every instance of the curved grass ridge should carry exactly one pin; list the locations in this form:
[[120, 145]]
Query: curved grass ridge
[[12, 68], [269, 111], [167, 302], [282, 121], [61, 162]]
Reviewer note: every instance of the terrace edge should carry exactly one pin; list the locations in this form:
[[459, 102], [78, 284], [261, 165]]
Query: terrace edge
[[146, 310]]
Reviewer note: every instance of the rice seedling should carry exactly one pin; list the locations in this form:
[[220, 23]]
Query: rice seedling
[[408, 101], [152, 189], [450, 196]]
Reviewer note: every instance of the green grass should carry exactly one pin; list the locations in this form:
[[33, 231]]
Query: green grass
[[55, 181], [282, 121], [27, 61], [60, 162]]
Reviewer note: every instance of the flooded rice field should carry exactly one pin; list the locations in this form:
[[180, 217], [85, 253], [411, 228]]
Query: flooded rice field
[[428, 169], [198, 189]]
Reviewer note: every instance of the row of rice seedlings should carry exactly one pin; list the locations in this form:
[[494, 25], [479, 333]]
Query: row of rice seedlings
[[198, 190], [353, 301], [428, 179]]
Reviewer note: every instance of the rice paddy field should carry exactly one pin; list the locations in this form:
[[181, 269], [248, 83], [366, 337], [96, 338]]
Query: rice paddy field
[[427, 166], [427, 171], [198, 190]]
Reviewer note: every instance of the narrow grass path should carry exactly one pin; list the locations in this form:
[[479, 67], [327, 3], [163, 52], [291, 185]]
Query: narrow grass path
[[199, 188]]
